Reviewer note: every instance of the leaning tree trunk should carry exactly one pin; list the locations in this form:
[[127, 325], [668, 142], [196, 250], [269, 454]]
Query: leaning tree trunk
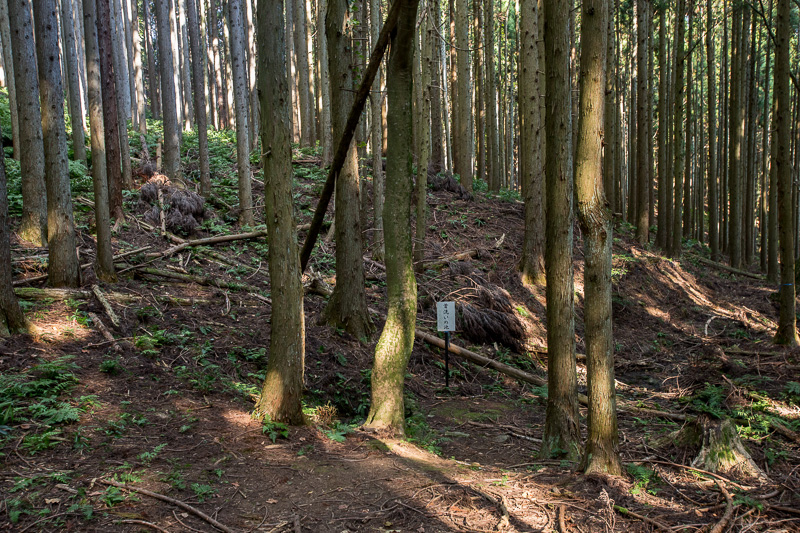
[[110, 113], [347, 307], [75, 108], [12, 319], [397, 339], [198, 83], [33, 226], [104, 262], [283, 386], [169, 107], [241, 101], [531, 147], [787, 330], [602, 445], [561, 430], [63, 269]]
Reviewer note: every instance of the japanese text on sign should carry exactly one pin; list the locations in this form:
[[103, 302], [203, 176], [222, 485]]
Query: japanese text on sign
[[446, 316]]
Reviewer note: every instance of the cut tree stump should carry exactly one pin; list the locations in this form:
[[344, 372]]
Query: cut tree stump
[[721, 448]]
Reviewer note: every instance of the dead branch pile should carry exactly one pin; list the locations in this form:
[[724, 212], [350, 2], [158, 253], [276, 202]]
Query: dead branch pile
[[184, 210], [450, 184]]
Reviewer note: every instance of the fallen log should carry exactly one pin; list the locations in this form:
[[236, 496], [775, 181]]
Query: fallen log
[[105, 332], [107, 306], [201, 280], [33, 293], [726, 268]]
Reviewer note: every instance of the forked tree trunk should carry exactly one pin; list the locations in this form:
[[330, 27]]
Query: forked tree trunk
[[33, 226], [531, 145], [347, 307], [561, 430], [283, 385], [241, 100], [172, 143], [198, 83], [104, 262], [602, 445], [392, 353], [63, 269], [787, 330]]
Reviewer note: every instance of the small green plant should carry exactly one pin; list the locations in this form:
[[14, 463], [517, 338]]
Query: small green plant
[[112, 496], [111, 366], [338, 432], [203, 491], [792, 392], [147, 457], [274, 430], [642, 478]]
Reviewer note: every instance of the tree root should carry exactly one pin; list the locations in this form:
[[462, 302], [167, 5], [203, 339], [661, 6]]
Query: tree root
[[729, 509]]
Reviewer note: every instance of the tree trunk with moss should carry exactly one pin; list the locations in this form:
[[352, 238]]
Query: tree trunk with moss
[[393, 351], [787, 321], [561, 430], [33, 226], [531, 146], [602, 445], [347, 307], [283, 386], [63, 269]]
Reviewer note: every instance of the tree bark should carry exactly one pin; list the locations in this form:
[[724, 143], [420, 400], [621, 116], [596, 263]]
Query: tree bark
[[437, 144], [301, 55], [104, 262], [12, 319], [642, 138], [169, 109], [110, 104], [152, 72], [463, 102], [63, 269], [33, 226], [393, 351], [347, 307], [8, 64], [198, 83], [376, 100], [325, 89], [561, 431], [424, 132], [736, 129], [713, 201], [222, 99], [241, 101], [787, 330], [71, 58], [123, 98], [282, 391], [531, 171], [674, 249], [602, 445]]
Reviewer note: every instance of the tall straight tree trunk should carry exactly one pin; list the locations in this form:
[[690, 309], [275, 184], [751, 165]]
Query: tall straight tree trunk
[[642, 138], [561, 430], [492, 132], [347, 307], [766, 216], [120, 63], [123, 100], [463, 133], [713, 201], [610, 123], [424, 132], [772, 253], [138, 77], [662, 234], [479, 58], [104, 261], [376, 102], [751, 136], [690, 130], [325, 90], [33, 226], [152, 72], [110, 113], [393, 351], [736, 129], [437, 127], [175, 47], [8, 63], [531, 159], [282, 390], [787, 330], [71, 57], [241, 100], [222, 102], [169, 107], [12, 319], [301, 55], [674, 249], [602, 445], [198, 84], [63, 269]]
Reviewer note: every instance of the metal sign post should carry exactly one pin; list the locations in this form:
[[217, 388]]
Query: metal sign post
[[446, 322]]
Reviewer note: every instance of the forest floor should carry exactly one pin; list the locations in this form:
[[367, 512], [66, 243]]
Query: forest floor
[[167, 408]]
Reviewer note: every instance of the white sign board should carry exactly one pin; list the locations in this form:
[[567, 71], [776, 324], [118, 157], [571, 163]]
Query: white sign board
[[446, 316]]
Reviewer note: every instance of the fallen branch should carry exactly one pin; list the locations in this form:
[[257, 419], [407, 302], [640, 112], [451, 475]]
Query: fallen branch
[[201, 280], [729, 509], [726, 268], [206, 241], [83, 266], [462, 256], [107, 306], [105, 332], [627, 512], [34, 293], [142, 522], [177, 503], [499, 501]]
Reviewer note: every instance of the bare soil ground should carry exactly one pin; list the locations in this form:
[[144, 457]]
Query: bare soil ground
[[170, 411]]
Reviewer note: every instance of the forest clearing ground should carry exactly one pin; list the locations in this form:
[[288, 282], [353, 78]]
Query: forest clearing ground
[[170, 411]]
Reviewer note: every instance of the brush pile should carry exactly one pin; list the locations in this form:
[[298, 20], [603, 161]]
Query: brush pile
[[184, 210]]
